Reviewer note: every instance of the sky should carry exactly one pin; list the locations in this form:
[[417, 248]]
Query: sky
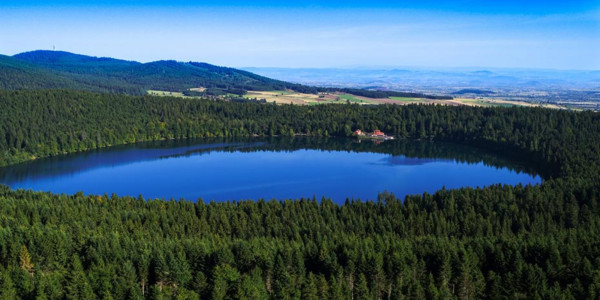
[[307, 34]]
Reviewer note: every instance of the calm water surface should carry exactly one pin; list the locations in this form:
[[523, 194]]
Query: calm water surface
[[275, 168]]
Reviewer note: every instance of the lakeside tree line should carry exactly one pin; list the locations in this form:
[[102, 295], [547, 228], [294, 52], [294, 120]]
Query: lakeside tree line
[[498, 242], [45, 123]]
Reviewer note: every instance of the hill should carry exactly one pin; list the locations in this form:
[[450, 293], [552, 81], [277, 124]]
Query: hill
[[63, 70], [57, 69], [18, 74], [75, 63]]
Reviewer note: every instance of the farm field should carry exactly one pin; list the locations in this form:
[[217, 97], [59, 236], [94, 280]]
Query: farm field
[[492, 102], [408, 99], [291, 97], [166, 94]]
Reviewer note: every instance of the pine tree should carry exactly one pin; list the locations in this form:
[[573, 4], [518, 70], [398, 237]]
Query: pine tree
[[78, 286], [25, 260], [252, 286], [224, 280], [309, 288], [361, 290], [7, 288]]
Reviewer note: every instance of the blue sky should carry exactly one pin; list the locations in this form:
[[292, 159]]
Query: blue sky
[[426, 33]]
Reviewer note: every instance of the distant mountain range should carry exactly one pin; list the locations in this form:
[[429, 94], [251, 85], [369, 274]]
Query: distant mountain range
[[64, 70]]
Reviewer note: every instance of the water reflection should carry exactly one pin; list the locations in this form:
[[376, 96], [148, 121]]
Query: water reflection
[[408, 161], [224, 169]]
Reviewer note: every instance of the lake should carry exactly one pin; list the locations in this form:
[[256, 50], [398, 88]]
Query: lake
[[276, 168]]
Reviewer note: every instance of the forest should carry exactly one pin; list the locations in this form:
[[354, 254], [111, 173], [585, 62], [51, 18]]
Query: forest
[[40, 69], [57, 69], [496, 242]]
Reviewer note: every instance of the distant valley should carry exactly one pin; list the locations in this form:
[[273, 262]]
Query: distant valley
[[574, 89]]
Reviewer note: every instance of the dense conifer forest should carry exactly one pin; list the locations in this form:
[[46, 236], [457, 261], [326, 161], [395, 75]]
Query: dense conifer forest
[[497, 242], [57, 69]]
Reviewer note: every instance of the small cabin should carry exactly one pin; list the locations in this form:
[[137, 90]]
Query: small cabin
[[358, 132], [378, 133]]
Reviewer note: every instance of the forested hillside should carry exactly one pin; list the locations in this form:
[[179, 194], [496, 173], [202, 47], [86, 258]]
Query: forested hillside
[[498, 242], [63, 70], [101, 74], [17, 74]]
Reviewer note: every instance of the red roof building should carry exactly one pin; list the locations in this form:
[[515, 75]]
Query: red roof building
[[358, 132], [378, 133]]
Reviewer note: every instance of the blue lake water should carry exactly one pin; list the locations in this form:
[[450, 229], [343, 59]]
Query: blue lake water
[[268, 169]]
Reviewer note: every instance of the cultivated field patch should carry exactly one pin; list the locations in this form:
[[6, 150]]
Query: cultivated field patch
[[291, 97]]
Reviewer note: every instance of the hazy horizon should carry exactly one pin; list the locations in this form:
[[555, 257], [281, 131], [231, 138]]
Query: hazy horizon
[[305, 34], [346, 67]]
